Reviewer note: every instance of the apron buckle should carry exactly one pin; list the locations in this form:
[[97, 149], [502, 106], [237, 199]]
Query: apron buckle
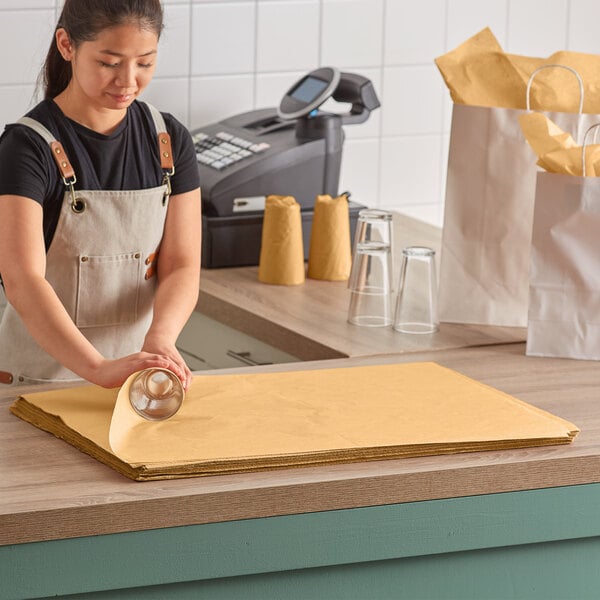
[[167, 181], [77, 205]]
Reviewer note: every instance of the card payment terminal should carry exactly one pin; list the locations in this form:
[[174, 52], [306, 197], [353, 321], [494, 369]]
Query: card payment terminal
[[294, 149]]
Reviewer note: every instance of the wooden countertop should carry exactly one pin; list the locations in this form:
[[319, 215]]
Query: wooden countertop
[[309, 320], [49, 490]]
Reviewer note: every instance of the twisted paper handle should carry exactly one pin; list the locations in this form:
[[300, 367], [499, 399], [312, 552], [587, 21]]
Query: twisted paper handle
[[584, 146], [579, 80]]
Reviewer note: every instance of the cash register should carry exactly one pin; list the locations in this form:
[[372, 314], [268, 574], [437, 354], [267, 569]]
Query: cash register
[[293, 150]]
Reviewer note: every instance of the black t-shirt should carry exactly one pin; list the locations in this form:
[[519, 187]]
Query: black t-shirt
[[127, 159]]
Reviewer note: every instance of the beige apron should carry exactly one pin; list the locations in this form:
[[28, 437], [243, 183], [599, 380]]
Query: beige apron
[[101, 264]]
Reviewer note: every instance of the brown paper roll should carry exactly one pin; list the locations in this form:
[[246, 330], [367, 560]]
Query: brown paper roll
[[281, 252], [330, 255]]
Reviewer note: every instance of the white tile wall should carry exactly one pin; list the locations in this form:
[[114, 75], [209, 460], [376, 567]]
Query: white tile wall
[[287, 35], [223, 38], [414, 94], [16, 99], [24, 42], [466, 17], [414, 31], [582, 36], [23, 4], [215, 98], [536, 33], [174, 57], [220, 57], [351, 33]]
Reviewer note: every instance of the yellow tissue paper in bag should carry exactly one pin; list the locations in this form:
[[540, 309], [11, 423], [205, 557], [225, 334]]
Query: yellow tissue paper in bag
[[569, 161], [479, 73], [557, 151]]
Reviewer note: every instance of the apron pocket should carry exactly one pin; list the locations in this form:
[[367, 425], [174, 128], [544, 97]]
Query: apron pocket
[[108, 289]]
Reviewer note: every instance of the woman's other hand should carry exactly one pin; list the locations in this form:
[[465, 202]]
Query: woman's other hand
[[113, 373], [163, 347]]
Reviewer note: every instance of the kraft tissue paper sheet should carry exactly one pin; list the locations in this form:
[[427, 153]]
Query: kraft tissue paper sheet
[[255, 421]]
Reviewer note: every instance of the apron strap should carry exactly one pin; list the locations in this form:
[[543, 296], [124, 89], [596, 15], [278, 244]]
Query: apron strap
[[58, 152], [66, 170], [164, 141]]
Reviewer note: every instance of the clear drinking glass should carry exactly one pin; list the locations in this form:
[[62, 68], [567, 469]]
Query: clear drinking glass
[[372, 226], [416, 304], [370, 286], [156, 394]]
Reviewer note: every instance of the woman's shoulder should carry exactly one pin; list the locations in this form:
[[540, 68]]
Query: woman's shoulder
[[174, 126], [43, 112], [26, 164], [18, 134], [49, 115]]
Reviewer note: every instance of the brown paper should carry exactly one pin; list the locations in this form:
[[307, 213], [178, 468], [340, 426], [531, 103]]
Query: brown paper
[[543, 135], [557, 151], [330, 256], [281, 259], [252, 421], [568, 161], [125, 421], [480, 73]]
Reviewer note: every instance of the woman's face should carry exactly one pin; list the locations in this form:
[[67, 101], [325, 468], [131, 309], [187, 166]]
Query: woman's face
[[111, 71]]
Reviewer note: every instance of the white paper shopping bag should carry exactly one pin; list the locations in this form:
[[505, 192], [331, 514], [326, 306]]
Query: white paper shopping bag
[[490, 192], [564, 304]]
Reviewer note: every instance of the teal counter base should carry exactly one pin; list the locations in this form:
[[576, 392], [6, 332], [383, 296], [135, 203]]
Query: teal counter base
[[548, 571], [533, 544]]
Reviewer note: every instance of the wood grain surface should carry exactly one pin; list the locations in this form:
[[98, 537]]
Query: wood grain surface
[[310, 320], [50, 490]]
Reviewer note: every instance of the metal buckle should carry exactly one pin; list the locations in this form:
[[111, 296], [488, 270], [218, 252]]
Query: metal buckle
[[77, 205], [167, 181]]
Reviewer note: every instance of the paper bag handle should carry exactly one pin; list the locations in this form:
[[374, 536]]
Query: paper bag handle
[[579, 80], [584, 146]]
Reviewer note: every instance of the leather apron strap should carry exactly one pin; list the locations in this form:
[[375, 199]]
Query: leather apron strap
[[165, 150]]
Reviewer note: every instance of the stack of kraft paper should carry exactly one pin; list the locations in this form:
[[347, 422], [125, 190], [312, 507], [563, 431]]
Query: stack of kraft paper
[[256, 421]]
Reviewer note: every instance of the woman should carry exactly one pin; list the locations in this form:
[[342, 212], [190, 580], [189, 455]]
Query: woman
[[99, 220]]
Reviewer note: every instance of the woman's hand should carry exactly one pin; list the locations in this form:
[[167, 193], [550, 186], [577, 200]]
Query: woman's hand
[[155, 344], [113, 373]]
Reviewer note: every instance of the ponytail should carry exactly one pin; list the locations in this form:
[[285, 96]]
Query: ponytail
[[56, 72]]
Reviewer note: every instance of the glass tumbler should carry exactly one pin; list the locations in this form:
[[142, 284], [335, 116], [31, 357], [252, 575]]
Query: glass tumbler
[[156, 394], [372, 226], [370, 286], [416, 304]]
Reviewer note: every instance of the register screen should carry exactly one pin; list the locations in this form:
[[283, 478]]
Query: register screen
[[308, 89]]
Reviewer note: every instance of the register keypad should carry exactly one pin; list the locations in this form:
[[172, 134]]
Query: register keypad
[[223, 149]]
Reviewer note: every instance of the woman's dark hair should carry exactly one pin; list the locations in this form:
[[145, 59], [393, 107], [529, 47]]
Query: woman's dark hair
[[83, 20]]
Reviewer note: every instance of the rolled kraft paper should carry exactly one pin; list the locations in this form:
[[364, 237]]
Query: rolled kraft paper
[[330, 255], [281, 259]]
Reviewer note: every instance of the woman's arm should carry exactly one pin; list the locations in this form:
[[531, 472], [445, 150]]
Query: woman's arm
[[178, 277], [23, 266]]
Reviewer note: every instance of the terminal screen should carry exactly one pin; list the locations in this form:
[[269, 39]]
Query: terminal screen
[[308, 89]]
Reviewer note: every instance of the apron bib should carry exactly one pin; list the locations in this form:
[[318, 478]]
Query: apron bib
[[101, 264]]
